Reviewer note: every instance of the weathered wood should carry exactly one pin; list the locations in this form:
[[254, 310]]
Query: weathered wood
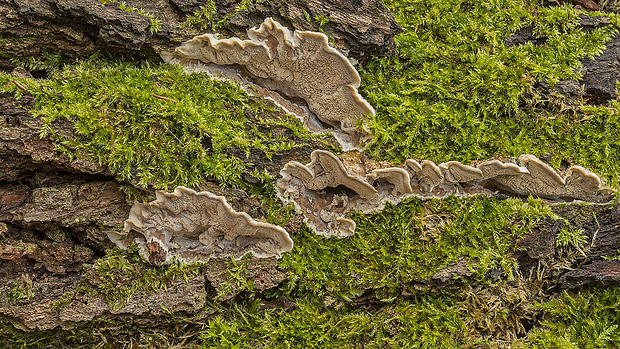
[[78, 28]]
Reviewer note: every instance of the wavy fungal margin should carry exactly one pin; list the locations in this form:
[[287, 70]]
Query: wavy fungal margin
[[195, 226], [329, 187], [298, 66]]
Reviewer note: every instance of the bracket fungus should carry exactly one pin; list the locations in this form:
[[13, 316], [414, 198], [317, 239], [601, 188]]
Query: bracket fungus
[[194, 226], [455, 172], [496, 168], [326, 210], [396, 176], [298, 65], [430, 174], [326, 170], [543, 181]]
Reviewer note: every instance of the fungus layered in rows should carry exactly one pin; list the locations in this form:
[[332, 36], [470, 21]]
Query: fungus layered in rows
[[327, 189]]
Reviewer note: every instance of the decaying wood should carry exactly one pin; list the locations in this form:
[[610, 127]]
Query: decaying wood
[[78, 28]]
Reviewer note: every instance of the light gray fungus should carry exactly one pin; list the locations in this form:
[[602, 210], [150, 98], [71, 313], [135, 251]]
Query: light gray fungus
[[298, 65], [195, 226], [327, 189]]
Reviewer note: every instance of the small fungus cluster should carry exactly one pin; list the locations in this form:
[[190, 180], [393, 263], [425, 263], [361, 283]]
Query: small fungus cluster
[[328, 188]]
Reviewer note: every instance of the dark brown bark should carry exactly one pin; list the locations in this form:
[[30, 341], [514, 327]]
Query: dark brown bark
[[78, 28], [600, 75], [575, 266]]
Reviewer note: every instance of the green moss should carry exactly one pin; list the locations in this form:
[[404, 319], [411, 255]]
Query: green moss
[[403, 244], [120, 274], [20, 291], [458, 92], [236, 280], [120, 123], [48, 61], [203, 18], [586, 319], [424, 323]]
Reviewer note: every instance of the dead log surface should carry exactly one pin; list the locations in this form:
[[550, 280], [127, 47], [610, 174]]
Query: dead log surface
[[54, 212], [78, 28]]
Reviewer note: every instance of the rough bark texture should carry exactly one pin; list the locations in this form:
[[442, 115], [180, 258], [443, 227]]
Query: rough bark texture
[[362, 27], [54, 212], [77, 28], [599, 75], [586, 265]]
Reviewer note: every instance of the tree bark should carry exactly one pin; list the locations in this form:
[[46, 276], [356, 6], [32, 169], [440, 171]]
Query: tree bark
[[77, 28]]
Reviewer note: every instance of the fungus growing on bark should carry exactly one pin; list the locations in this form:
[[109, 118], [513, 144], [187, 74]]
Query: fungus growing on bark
[[413, 165], [430, 174], [326, 210], [396, 176], [581, 179], [541, 180], [495, 168], [299, 65], [455, 172], [586, 185], [326, 170], [346, 226], [194, 226]]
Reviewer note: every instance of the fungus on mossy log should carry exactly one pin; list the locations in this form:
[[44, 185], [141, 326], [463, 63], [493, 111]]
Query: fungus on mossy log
[[327, 189], [396, 176], [300, 65], [326, 170], [455, 172], [194, 226], [542, 180]]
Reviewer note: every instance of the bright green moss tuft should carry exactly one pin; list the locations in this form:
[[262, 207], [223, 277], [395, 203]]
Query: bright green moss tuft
[[428, 322], [119, 123], [120, 274], [587, 319], [403, 244], [458, 92]]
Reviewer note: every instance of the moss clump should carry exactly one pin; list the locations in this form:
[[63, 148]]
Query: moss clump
[[457, 91], [120, 274], [235, 280], [586, 319], [408, 243], [119, 123], [428, 322]]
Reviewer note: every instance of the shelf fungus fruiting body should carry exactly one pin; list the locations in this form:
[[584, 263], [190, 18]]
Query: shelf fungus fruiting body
[[298, 66], [328, 188], [195, 226]]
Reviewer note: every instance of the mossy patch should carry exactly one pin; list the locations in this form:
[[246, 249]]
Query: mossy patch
[[429, 322], [403, 245], [458, 91], [589, 318], [183, 139], [120, 274]]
